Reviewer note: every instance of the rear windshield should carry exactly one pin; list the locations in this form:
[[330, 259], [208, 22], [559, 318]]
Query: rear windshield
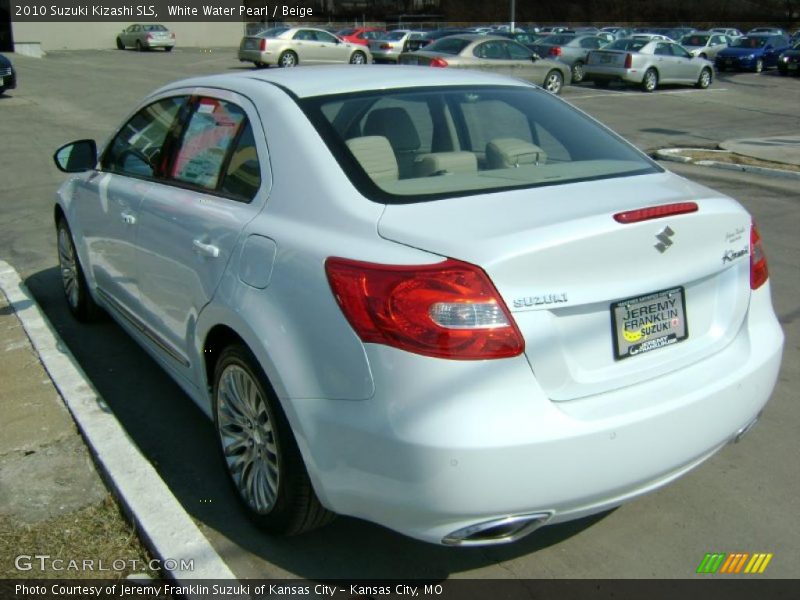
[[627, 44], [414, 145], [557, 40], [748, 42], [394, 35], [448, 45], [695, 40]]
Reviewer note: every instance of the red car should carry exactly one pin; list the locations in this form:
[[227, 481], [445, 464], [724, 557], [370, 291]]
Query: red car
[[361, 35]]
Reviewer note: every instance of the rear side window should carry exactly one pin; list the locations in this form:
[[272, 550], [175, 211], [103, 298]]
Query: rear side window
[[217, 151], [136, 149]]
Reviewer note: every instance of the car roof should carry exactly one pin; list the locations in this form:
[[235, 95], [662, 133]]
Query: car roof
[[307, 82]]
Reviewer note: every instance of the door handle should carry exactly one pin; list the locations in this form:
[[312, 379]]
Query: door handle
[[128, 218], [206, 249]]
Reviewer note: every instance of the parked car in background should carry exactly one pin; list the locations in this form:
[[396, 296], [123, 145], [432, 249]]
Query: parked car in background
[[752, 52], [648, 64], [523, 37], [705, 44], [729, 31], [768, 30], [491, 53], [789, 61], [146, 36], [360, 35], [292, 46], [569, 48], [435, 300], [431, 36], [8, 76], [388, 47], [649, 37], [618, 32]]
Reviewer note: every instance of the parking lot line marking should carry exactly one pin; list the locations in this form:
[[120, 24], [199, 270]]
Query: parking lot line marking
[[167, 529]]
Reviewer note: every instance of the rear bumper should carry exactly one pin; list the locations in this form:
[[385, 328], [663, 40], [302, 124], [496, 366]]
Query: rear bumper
[[159, 44], [255, 56], [439, 450], [595, 72]]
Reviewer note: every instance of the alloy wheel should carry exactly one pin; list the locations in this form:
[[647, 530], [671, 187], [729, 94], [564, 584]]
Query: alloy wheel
[[68, 264], [246, 430]]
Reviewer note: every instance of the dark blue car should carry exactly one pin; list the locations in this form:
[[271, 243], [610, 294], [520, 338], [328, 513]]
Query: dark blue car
[[754, 52], [8, 77]]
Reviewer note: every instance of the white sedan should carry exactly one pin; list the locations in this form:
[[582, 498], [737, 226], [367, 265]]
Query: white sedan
[[440, 300]]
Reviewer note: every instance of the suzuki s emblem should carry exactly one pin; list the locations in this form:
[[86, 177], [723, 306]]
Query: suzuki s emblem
[[664, 239]]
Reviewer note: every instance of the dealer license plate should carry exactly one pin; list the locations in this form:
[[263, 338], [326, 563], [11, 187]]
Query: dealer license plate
[[649, 322]]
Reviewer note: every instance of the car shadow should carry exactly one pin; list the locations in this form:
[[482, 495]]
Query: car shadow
[[178, 439]]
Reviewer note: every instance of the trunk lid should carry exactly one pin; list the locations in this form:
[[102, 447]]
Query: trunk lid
[[561, 262]]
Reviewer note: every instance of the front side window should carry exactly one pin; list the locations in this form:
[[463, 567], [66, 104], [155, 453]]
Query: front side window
[[136, 149], [517, 51], [416, 145]]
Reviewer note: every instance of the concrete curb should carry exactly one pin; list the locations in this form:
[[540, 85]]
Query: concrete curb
[[167, 529], [673, 154]]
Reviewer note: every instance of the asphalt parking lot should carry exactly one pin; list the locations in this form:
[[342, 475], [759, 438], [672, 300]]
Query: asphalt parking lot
[[745, 499]]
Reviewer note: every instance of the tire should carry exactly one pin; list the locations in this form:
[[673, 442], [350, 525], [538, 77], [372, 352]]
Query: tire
[[79, 300], [139, 47], [705, 79], [782, 73], [258, 447], [578, 73], [287, 59], [759, 65], [358, 58], [553, 82], [168, 48], [650, 81], [120, 45]]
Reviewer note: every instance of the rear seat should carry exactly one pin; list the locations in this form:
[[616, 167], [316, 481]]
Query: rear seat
[[375, 155], [444, 163], [504, 153]]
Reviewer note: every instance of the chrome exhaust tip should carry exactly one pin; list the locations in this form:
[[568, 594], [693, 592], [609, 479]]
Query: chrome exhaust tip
[[501, 530], [746, 429]]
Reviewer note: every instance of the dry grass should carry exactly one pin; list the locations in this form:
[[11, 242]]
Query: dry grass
[[98, 533], [737, 159]]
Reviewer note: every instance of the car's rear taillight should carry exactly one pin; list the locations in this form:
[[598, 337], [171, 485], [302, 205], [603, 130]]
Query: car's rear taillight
[[445, 310], [758, 260], [554, 51], [386, 46], [172, 35], [149, 36], [628, 61], [263, 44], [438, 62]]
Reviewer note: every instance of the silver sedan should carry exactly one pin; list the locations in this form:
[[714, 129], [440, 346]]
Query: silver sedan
[[705, 44], [648, 64], [146, 36], [291, 46], [495, 54]]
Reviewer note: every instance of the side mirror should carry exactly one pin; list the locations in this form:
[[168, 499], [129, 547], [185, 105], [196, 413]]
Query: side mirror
[[76, 157]]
